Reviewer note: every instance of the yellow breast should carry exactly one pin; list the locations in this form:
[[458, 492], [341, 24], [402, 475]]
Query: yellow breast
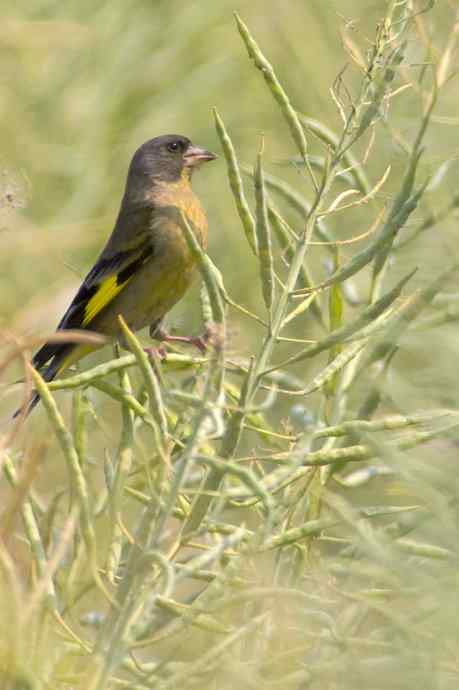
[[180, 195]]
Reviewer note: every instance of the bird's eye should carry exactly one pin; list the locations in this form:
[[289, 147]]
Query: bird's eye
[[173, 147]]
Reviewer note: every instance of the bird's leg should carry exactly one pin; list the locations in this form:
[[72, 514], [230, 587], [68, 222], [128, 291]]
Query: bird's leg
[[199, 341], [160, 351], [159, 333]]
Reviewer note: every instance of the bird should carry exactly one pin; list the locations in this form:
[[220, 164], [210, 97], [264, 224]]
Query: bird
[[145, 267]]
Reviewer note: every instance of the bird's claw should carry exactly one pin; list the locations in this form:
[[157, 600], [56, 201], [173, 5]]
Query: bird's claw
[[156, 352], [200, 342]]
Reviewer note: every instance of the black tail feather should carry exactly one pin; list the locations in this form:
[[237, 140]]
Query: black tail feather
[[28, 407], [48, 374]]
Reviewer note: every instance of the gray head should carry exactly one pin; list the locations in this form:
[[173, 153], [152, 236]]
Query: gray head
[[168, 158]]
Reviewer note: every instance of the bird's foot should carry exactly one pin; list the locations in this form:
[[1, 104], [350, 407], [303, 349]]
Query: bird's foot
[[156, 352], [198, 341], [201, 342], [212, 336]]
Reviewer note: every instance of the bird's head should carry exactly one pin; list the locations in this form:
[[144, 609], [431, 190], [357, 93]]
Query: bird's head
[[168, 158]]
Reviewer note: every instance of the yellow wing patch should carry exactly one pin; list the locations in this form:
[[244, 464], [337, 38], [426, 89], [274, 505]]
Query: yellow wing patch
[[106, 292]]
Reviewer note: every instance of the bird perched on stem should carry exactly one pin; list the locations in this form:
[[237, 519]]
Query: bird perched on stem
[[145, 267]]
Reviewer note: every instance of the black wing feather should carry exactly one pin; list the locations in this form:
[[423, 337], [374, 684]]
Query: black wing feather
[[129, 262]]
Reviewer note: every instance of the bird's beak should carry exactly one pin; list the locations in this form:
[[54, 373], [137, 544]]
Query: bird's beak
[[195, 156]]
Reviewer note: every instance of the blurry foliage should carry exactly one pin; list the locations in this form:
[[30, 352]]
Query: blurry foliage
[[283, 511]]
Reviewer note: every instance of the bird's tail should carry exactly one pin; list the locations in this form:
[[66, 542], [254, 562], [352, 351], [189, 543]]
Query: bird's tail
[[48, 374], [58, 358]]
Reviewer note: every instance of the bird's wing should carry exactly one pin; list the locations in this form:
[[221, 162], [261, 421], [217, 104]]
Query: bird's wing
[[103, 283], [111, 273]]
